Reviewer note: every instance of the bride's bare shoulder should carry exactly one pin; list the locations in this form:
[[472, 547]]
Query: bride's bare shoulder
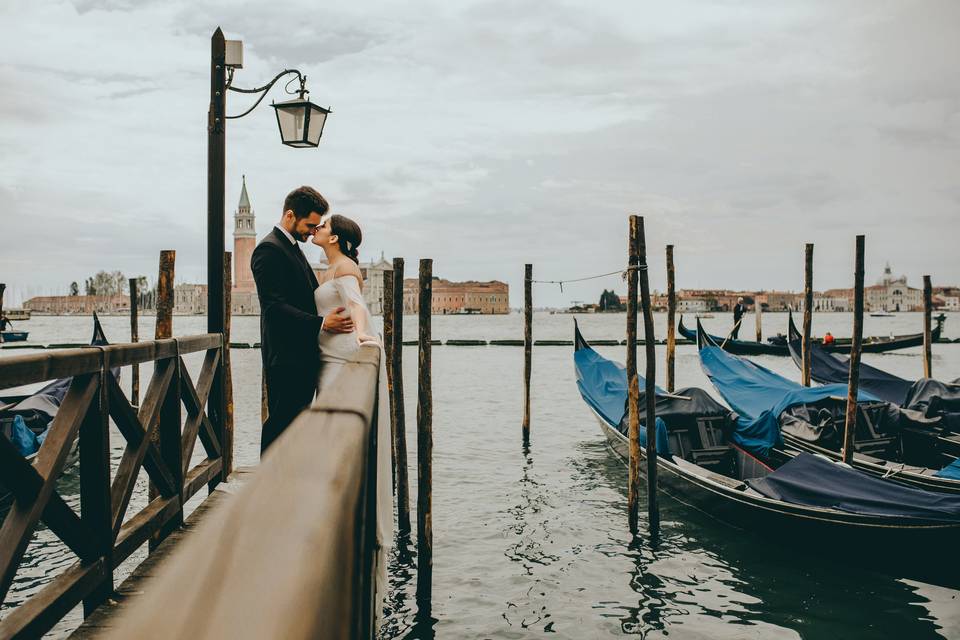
[[349, 268]]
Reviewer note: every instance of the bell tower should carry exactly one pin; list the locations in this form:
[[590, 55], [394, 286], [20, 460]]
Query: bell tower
[[244, 242]]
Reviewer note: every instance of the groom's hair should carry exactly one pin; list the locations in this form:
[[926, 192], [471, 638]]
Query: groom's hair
[[303, 200]]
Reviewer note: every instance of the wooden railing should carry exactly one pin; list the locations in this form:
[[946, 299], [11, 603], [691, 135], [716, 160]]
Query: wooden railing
[[160, 438], [293, 555]]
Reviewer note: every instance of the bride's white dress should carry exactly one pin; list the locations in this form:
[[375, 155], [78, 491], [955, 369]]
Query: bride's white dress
[[335, 350]]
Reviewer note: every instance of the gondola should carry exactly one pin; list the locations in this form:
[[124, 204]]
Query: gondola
[[25, 421], [889, 442], [14, 336], [806, 497], [777, 345], [932, 397]]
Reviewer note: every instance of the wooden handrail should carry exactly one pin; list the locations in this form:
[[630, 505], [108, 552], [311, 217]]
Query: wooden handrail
[[292, 555], [40, 367], [102, 534]]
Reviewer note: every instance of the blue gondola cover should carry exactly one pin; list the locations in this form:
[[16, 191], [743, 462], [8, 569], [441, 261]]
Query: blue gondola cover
[[951, 471], [759, 396], [814, 481]]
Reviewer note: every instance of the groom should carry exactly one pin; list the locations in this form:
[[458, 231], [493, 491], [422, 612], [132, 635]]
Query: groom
[[289, 324]]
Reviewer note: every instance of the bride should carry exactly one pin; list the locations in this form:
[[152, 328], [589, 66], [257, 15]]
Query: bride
[[341, 290]]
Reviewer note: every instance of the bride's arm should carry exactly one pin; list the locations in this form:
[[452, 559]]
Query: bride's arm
[[349, 284]]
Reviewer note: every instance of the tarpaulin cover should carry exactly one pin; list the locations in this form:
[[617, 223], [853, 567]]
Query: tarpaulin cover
[[951, 471], [814, 481], [759, 396], [830, 368]]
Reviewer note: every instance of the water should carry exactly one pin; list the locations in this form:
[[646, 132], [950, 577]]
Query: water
[[531, 544]]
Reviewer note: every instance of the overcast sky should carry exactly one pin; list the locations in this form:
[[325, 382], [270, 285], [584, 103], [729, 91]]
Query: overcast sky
[[489, 134]]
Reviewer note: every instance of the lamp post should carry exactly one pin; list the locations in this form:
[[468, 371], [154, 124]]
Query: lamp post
[[301, 125]]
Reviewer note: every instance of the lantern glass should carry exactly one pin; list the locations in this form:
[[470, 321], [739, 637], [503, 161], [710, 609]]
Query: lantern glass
[[301, 122]]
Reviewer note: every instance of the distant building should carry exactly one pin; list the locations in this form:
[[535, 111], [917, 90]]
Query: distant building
[[892, 294], [77, 304], [190, 299], [692, 305], [243, 294], [491, 297], [373, 283], [946, 298]]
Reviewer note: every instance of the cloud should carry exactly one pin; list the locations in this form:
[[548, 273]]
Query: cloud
[[486, 134]]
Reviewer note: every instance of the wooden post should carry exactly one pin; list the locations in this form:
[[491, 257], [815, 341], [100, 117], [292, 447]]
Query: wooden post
[[850, 425], [527, 348], [226, 432], [650, 391], [758, 312], [3, 288], [134, 337], [633, 393], [388, 346], [425, 441], [671, 319], [95, 504], [164, 329], [399, 415], [927, 329], [807, 314], [264, 407]]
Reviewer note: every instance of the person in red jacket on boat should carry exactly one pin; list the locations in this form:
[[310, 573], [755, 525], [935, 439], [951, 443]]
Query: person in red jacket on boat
[[828, 339]]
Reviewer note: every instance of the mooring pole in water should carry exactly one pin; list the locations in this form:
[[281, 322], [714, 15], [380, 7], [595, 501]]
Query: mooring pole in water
[[850, 424], [3, 288], [649, 340], [758, 313], [807, 314], [226, 431], [388, 347], [425, 440], [633, 390], [399, 417], [527, 348], [264, 407], [134, 337], [164, 329], [927, 329], [671, 319]]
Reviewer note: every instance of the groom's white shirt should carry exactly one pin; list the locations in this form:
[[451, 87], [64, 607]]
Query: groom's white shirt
[[287, 233]]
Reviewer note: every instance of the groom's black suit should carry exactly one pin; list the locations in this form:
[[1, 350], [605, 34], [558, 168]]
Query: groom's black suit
[[289, 329]]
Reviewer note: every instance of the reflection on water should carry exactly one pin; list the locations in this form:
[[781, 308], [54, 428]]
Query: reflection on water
[[535, 543]]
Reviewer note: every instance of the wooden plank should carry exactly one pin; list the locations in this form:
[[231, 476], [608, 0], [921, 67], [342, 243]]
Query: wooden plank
[[225, 435], [125, 478], [40, 367], [21, 519], [169, 434], [143, 525], [200, 475], [128, 423], [311, 482], [195, 399], [43, 611]]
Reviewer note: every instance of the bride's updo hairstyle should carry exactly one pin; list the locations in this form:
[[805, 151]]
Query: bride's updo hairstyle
[[348, 235]]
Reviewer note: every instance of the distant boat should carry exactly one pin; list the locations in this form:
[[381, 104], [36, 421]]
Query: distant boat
[[881, 314], [823, 504], [705, 315], [777, 346], [14, 336]]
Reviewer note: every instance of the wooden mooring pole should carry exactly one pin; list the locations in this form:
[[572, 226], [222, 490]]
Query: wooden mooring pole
[[850, 425], [425, 440], [927, 329], [653, 510], [3, 288], [527, 348], [164, 329], [633, 388], [134, 337], [399, 417], [388, 347], [671, 319], [758, 313], [807, 314]]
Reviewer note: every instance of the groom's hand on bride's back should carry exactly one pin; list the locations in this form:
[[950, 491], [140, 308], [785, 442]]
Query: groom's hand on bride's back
[[336, 322]]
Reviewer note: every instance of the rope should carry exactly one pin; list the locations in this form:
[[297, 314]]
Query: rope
[[623, 274]]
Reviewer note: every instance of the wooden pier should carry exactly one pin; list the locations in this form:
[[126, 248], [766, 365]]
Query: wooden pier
[[235, 567]]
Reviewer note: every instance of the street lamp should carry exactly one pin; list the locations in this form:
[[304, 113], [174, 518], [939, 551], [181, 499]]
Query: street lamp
[[301, 125]]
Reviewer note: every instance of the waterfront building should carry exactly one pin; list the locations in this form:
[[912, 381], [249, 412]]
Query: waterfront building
[[492, 297], [190, 299], [66, 305], [892, 294], [946, 298]]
